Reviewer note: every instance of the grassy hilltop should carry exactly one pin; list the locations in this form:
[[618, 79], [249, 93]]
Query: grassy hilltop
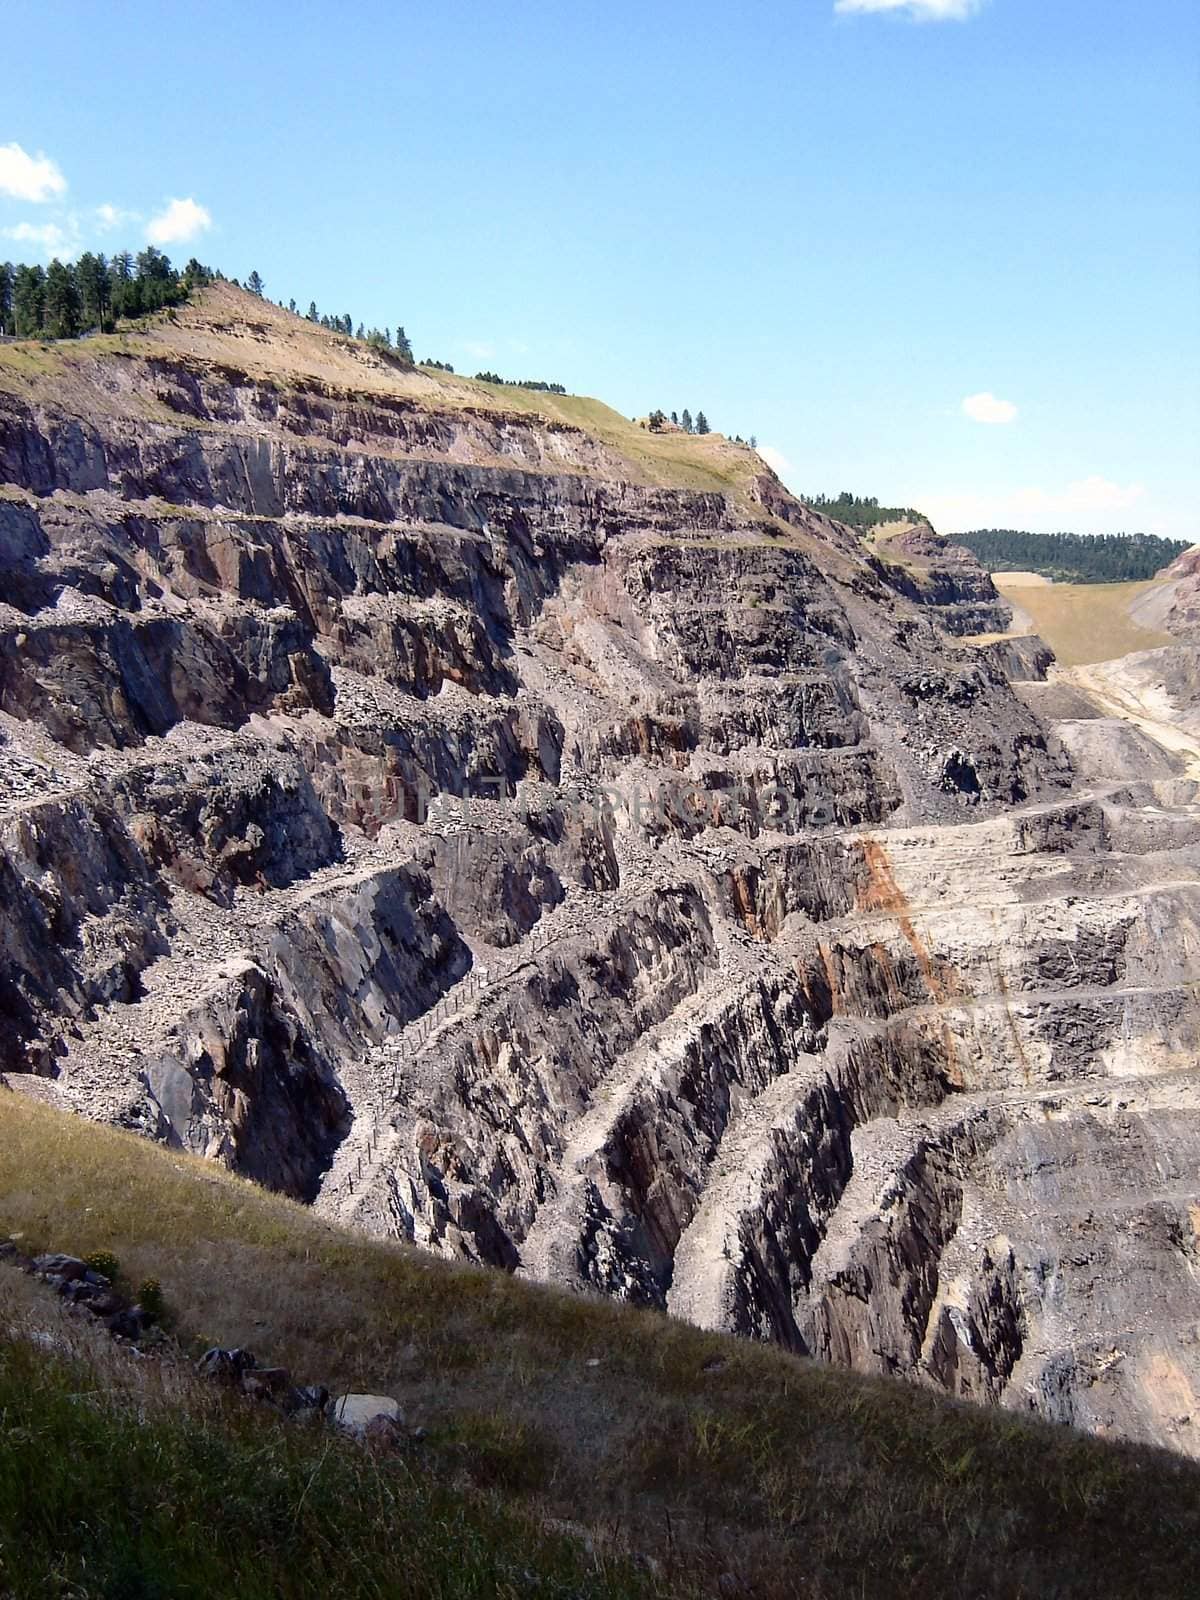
[[223, 323]]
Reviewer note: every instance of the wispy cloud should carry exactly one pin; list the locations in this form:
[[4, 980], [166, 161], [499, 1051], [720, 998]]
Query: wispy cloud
[[179, 221], [109, 217], [918, 10], [27, 177], [1089, 505], [37, 179], [478, 349], [776, 460], [51, 238], [986, 408]]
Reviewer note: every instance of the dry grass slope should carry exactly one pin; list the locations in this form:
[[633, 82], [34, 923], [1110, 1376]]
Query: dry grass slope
[[1082, 622], [710, 1457], [232, 328]]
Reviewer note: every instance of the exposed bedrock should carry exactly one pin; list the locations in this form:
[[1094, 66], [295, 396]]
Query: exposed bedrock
[[241, 813], [84, 914], [412, 806], [930, 572], [105, 678], [241, 1080], [486, 1131]]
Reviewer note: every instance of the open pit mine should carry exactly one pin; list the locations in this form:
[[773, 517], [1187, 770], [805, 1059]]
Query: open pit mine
[[510, 830]]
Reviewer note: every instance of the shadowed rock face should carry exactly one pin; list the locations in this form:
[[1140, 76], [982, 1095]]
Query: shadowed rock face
[[634, 886]]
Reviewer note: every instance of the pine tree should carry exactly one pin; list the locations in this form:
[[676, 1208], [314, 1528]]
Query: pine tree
[[674, 419], [91, 274], [255, 284], [62, 313], [702, 423], [6, 290], [29, 294], [152, 265], [404, 349], [312, 311], [123, 294], [157, 284], [686, 421]]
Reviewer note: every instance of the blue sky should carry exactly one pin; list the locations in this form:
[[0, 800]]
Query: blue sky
[[940, 251]]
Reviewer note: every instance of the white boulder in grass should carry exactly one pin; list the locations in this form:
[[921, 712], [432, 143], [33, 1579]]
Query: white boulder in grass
[[356, 1411]]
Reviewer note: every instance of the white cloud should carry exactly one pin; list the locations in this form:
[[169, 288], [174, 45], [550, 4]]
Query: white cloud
[[918, 10], [50, 238], [179, 221], [27, 177], [110, 217], [477, 349], [776, 460], [1089, 505], [986, 408]]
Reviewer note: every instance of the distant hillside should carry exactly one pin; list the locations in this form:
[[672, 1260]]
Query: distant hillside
[[860, 511], [1073, 557]]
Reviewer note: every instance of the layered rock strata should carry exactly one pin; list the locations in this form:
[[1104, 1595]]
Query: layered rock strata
[[612, 872]]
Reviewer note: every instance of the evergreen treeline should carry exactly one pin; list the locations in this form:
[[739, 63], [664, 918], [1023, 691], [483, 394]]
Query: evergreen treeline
[[91, 295], [513, 383], [65, 299], [859, 512], [683, 419], [1073, 557], [379, 338]]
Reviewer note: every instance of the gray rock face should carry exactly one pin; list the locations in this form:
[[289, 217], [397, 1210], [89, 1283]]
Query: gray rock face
[[628, 885]]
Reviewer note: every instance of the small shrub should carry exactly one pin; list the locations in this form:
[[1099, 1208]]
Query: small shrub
[[103, 1262], [150, 1298]]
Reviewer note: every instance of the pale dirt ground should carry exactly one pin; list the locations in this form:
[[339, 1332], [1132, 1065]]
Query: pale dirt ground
[[1103, 652], [1119, 690]]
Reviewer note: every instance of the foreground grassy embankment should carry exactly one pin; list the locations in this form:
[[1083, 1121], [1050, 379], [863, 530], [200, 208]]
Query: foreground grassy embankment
[[131, 1480], [725, 1463]]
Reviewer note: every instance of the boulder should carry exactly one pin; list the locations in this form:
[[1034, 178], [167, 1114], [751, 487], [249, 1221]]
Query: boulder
[[226, 1365], [78, 1291], [65, 1268], [105, 1304], [267, 1383], [129, 1323], [357, 1412], [310, 1397]]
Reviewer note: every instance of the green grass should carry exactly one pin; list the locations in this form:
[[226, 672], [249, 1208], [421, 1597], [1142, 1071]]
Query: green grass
[[701, 1453], [127, 1487], [28, 359], [687, 461]]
